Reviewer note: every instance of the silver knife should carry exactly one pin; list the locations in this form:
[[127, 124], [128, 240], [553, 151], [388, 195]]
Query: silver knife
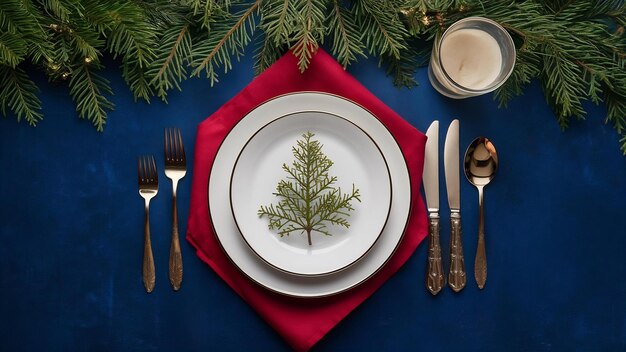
[[456, 276], [435, 279]]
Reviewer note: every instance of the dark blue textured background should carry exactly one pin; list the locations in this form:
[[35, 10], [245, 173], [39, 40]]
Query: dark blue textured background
[[72, 233]]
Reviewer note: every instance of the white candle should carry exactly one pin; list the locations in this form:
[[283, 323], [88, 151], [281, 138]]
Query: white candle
[[471, 58]]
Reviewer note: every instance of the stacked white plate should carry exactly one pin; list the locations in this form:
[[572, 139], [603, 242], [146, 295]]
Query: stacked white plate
[[248, 166]]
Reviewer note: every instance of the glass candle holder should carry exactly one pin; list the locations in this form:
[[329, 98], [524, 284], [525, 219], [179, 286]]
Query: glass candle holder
[[474, 56]]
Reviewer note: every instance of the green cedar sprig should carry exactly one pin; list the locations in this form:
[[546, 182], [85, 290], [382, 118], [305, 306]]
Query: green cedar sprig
[[309, 201]]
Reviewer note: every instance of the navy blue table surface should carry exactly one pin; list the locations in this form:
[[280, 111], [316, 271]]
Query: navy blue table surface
[[72, 234]]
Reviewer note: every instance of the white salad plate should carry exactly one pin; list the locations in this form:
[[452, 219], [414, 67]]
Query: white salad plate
[[225, 226], [358, 164]]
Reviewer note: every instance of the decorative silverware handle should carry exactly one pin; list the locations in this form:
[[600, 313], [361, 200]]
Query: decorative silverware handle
[[148, 273], [456, 277], [435, 279], [480, 265], [176, 258]]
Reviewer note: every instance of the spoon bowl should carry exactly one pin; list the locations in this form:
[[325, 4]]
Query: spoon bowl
[[480, 164]]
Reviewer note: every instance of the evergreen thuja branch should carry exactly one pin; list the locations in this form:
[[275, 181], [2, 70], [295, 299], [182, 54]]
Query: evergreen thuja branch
[[309, 202]]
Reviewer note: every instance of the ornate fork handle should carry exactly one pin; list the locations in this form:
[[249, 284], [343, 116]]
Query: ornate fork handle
[[435, 279], [176, 258], [457, 277], [148, 271]]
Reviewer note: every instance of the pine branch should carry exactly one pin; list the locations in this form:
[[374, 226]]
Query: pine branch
[[87, 89], [18, 94]]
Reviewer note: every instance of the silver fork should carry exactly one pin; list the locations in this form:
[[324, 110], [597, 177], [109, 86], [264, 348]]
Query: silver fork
[[148, 188], [175, 169]]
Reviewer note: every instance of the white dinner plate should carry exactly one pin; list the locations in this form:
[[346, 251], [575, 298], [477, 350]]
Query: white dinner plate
[[357, 162], [233, 243]]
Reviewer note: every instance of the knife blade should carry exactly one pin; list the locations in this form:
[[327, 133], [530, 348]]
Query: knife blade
[[435, 279], [431, 168], [456, 276]]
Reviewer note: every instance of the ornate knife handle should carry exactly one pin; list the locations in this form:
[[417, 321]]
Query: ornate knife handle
[[435, 279], [456, 277]]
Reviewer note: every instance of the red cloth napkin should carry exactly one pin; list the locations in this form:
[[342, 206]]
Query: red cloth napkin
[[301, 321]]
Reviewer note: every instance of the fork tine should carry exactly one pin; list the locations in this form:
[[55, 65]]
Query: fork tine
[[173, 145], [143, 168], [155, 174], [139, 169], [180, 145], [166, 144]]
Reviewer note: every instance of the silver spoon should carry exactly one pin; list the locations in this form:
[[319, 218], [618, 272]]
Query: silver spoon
[[481, 164]]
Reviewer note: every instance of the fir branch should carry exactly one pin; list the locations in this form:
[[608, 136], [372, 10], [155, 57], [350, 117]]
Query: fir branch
[[403, 69], [224, 40], [309, 30], [278, 17], [205, 10], [169, 69], [18, 94], [87, 89], [62, 9], [347, 41], [85, 41], [380, 24], [616, 110], [12, 49], [575, 48], [137, 79], [266, 54]]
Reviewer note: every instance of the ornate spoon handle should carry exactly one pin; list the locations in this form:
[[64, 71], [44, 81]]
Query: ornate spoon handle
[[456, 277], [435, 279], [480, 265]]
